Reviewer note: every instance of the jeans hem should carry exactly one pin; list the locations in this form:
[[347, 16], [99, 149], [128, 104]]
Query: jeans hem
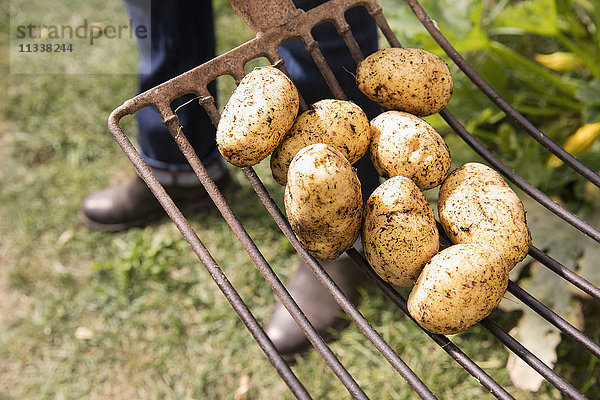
[[176, 167]]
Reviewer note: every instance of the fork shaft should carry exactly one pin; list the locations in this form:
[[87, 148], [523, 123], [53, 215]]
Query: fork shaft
[[261, 15]]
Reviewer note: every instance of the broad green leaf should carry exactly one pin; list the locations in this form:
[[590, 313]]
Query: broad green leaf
[[539, 17], [589, 95], [496, 76], [475, 38], [459, 21]]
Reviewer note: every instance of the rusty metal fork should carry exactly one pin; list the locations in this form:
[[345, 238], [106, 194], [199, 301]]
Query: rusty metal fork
[[275, 22]]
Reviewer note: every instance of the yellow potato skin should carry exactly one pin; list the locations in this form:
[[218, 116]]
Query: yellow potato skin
[[258, 114], [458, 287], [399, 233], [406, 79], [323, 201], [475, 204], [404, 144], [339, 123]]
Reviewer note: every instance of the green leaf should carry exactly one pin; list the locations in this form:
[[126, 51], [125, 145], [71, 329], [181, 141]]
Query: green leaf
[[589, 95], [475, 39], [539, 17], [532, 71], [458, 20]]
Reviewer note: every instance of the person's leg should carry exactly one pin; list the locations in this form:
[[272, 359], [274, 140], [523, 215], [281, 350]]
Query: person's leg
[[316, 303], [182, 37]]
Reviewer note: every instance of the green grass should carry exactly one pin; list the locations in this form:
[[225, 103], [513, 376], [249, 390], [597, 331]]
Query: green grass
[[85, 314]]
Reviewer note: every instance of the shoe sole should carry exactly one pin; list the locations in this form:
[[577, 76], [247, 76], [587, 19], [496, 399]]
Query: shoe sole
[[118, 227], [191, 206]]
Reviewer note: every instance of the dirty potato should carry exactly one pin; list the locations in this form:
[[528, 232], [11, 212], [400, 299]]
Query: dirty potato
[[323, 201], [259, 112], [411, 80], [476, 205], [399, 233], [339, 123], [404, 144], [458, 287]]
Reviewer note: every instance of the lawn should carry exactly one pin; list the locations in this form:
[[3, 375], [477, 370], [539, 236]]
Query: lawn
[[94, 315]]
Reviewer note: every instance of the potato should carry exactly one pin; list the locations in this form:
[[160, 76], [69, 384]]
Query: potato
[[259, 112], [339, 123], [411, 80], [404, 144], [476, 205], [458, 287], [399, 234], [323, 201]]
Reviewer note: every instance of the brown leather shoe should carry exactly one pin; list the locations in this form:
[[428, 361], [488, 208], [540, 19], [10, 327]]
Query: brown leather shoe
[[132, 204], [318, 305]]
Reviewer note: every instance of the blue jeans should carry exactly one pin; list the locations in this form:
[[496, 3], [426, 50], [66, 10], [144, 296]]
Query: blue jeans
[[182, 37]]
